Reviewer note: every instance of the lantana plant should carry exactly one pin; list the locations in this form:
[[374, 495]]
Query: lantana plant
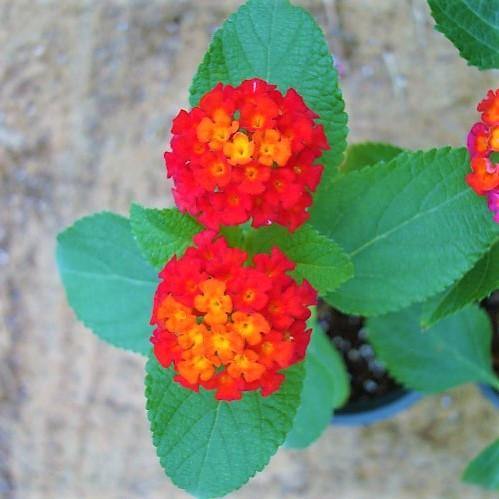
[[272, 212]]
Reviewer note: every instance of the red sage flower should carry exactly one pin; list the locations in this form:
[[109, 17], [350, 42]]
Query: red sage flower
[[228, 326], [246, 153]]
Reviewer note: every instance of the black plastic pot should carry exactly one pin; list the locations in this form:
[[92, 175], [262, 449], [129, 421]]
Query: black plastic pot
[[491, 306], [366, 406], [491, 394], [367, 413]]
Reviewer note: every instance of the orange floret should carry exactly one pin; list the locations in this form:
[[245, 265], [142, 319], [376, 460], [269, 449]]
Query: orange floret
[[213, 302], [196, 368], [174, 315], [224, 343], [250, 326], [216, 131], [489, 107], [239, 150], [246, 365], [272, 148], [193, 338]]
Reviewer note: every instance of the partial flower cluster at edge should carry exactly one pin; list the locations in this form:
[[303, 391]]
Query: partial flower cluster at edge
[[483, 142]]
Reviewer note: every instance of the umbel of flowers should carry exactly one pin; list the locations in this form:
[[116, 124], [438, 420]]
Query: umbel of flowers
[[483, 141], [246, 153], [226, 326], [225, 323]]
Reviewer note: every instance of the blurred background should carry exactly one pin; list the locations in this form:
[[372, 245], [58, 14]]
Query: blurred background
[[87, 93]]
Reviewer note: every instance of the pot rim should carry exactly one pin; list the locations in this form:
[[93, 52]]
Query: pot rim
[[489, 393], [379, 413]]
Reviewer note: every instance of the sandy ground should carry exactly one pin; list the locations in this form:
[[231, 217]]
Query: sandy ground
[[87, 93]]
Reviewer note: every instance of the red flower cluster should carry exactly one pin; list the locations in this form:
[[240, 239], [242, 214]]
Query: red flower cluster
[[229, 327], [246, 152], [483, 141]]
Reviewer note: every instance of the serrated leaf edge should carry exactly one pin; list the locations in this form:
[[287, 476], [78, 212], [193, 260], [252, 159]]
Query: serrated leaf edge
[[258, 469]]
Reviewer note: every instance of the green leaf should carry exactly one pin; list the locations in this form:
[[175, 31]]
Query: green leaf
[[455, 351], [210, 448], [411, 226], [475, 285], [368, 153], [161, 234], [108, 283], [484, 469], [282, 44], [326, 387], [235, 235], [472, 26], [318, 259]]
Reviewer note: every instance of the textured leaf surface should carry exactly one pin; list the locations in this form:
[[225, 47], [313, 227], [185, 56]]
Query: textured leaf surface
[[368, 153], [318, 259], [484, 469], [326, 386], [210, 448], [108, 283], [411, 226], [472, 26], [475, 285], [273, 40], [161, 234], [455, 351]]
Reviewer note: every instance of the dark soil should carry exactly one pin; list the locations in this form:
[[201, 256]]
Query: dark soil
[[370, 381], [491, 305]]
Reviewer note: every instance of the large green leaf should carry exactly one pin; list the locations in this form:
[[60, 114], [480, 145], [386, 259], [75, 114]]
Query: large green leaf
[[368, 153], [472, 26], [455, 351], [108, 283], [411, 226], [161, 234], [210, 448], [273, 40], [326, 386], [476, 284], [484, 469], [318, 259]]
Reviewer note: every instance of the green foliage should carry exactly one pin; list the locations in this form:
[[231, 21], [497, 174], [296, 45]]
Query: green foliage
[[472, 26], [368, 153], [161, 234], [475, 285], [455, 351], [484, 469], [326, 386], [108, 283], [318, 259], [210, 448], [411, 226], [282, 44], [235, 235]]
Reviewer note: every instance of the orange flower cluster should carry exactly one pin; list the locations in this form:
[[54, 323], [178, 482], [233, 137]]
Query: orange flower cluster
[[226, 326], [483, 143], [244, 153]]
